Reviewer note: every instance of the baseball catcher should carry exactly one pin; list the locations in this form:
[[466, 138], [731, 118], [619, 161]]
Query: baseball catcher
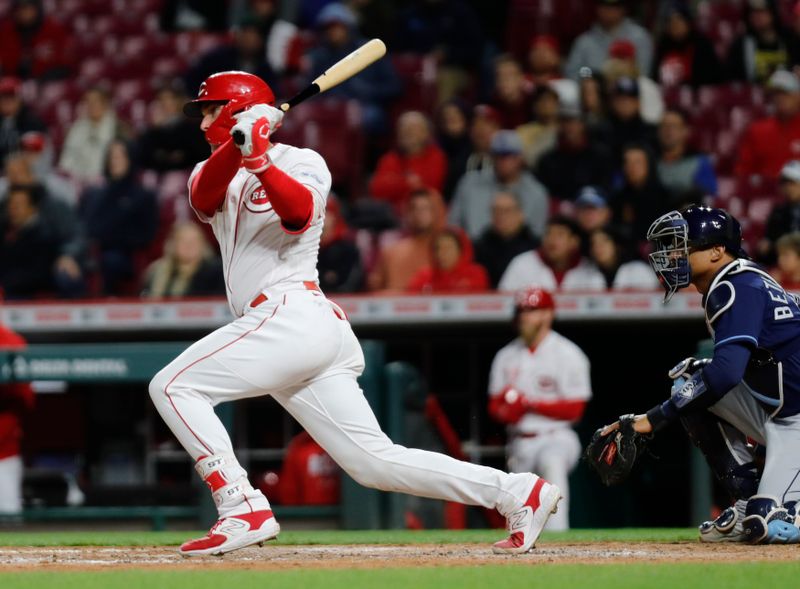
[[742, 401]]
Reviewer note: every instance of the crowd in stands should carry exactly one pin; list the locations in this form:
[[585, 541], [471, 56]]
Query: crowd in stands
[[499, 145]]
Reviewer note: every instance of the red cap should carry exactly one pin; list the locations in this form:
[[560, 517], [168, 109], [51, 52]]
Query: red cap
[[485, 111], [32, 141], [622, 49], [534, 298], [9, 85], [547, 40]]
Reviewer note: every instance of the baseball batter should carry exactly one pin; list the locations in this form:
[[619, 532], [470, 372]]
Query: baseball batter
[[265, 203], [751, 385], [539, 385]]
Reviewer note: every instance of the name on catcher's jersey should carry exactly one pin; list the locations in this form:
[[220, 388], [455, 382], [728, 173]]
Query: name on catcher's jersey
[[258, 252], [557, 370]]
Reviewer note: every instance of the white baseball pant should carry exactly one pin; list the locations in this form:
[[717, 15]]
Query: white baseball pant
[[552, 454], [298, 348], [11, 485]]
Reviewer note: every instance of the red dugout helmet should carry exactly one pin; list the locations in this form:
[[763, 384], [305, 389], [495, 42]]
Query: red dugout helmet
[[533, 298], [238, 90]]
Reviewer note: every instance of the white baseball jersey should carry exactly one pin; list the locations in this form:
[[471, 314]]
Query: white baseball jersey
[[258, 253], [556, 370], [529, 270]]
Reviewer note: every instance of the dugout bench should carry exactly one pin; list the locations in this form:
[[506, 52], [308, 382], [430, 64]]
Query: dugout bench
[[384, 386]]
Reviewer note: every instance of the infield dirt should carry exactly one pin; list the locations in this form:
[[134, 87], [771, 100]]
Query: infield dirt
[[278, 557]]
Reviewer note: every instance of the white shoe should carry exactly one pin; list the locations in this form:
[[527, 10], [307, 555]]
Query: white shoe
[[525, 524], [726, 528], [234, 532]]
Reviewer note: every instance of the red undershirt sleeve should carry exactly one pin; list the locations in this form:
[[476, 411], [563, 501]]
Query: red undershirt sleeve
[[567, 410], [292, 201], [210, 184]]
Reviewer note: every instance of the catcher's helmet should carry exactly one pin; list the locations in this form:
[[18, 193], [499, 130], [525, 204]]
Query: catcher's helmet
[[676, 233], [533, 298], [238, 90]]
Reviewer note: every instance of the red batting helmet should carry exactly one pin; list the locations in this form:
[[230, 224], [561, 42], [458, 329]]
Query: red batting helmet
[[238, 90], [533, 298]]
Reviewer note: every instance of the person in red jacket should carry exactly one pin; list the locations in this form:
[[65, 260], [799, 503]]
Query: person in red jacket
[[416, 163], [34, 45], [453, 270], [16, 399], [771, 142]]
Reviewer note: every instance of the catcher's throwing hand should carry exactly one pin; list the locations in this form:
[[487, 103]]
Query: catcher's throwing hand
[[614, 449]]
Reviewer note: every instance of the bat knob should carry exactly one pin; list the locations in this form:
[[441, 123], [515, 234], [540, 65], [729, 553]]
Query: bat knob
[[238, 137]]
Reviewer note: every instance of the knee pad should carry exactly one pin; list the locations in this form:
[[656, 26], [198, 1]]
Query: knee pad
[[768, 522]]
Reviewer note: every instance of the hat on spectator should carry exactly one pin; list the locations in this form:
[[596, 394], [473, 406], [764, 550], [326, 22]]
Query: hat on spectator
[[547, 40], [32, 141], [590, 197], [506, 142], [484, 111], [625, 86], [622, 49], [336, 13], [9, 85], [783, 81], [791, 171]]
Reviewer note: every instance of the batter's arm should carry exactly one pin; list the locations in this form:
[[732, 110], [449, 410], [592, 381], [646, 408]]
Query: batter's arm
[[292, 201], [210, 184]]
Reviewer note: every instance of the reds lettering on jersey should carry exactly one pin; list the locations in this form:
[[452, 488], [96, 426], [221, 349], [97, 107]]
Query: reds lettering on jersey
[[556, 370], [258, 254]]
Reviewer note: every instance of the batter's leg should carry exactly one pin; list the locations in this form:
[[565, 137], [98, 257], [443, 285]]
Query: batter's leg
[[11, 485], [336, 414]]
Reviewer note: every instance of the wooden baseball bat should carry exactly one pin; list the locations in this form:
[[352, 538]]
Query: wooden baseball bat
[[345, 68]]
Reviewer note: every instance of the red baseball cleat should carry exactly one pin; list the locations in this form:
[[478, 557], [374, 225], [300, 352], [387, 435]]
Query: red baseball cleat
[[234, 532], [525, 524]]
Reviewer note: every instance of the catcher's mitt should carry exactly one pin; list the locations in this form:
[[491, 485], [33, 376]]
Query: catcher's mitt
[[613, 455]]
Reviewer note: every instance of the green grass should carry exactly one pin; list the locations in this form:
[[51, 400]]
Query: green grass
[[136, 538], [685, 576]]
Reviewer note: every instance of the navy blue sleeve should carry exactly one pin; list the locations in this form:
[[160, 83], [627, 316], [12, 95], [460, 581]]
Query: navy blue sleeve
[[726, 369]]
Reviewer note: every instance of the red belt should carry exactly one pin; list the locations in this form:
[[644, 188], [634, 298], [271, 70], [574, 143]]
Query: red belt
[[261, 298]]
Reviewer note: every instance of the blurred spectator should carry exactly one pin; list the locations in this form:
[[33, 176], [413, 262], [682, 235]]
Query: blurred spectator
[[59, 217], [452, 135], [188, 267], [763, 48], [788, 271], [84, 151], [374, 87], [247, 54], [193, 15], [684, 55], [793, 35], [284, 45], [592, 97], [449, 31], [576, 161], [376, 18], [507, 237], [774, 140], [611, 23], [557, 264], [622, 64], [16, 118], [641, 198], [511, 96], [172, 141], [471, 206], [16, 400], [485, 123], [38, 167], [416, 162], [540, 134], [339, 262], [121, 217], [591, 210], [544, 68], [785, 216], [452, 269], [680, 169], [29, 247], [34, 45], [625, 124], [397, 263], [607, 249]]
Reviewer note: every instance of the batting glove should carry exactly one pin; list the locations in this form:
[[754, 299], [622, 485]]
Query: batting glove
[[252, 132]]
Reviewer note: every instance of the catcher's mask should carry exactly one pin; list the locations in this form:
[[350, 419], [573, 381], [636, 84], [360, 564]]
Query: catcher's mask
[[678, 233]]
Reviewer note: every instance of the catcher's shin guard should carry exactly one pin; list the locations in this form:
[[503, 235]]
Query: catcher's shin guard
[[768, 522]]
